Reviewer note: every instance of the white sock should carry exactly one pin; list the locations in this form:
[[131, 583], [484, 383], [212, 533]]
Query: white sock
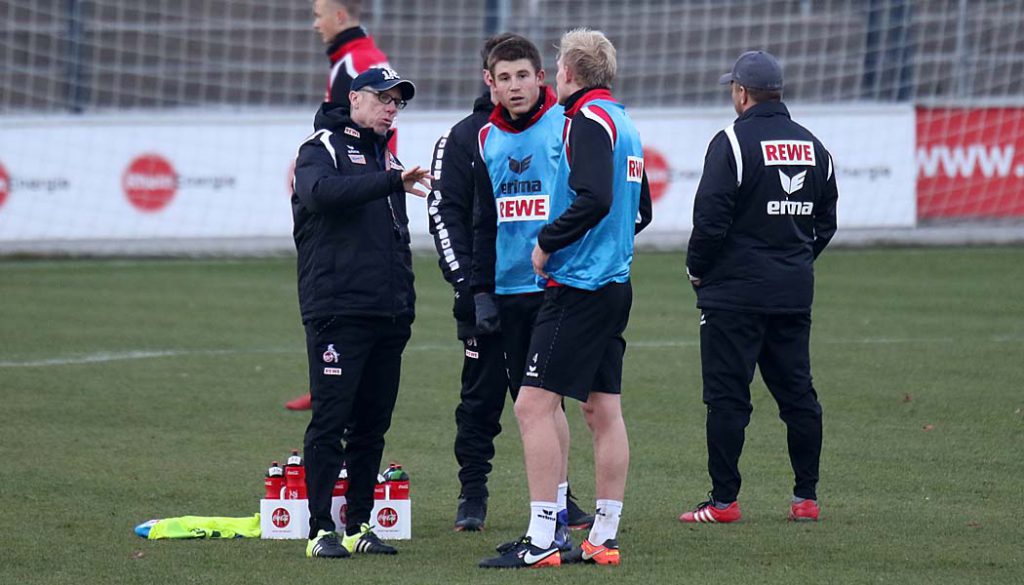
[[606, 521], [542, 523], [563, 488]]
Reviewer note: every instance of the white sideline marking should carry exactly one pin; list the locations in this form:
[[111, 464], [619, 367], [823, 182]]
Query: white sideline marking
[[117, 356]]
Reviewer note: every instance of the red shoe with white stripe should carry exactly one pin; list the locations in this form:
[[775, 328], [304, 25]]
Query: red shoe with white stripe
[[805, 511], [707, 513]]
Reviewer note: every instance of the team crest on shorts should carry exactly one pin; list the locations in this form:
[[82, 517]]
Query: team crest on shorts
[[330, 355]]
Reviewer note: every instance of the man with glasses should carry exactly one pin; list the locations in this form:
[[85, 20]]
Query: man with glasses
[[356, 298], [351, 51]]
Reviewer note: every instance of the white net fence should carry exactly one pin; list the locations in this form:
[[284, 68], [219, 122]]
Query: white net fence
[[102, 55], [933, 85]]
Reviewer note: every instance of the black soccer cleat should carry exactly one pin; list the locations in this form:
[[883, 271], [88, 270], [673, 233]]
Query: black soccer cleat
[[366, 542], [523, 555], [562, 541], [326, 545], [471, 515], [577, 519]]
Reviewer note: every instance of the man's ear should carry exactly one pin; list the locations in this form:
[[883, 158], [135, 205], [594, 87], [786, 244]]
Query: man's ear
[[341, 16], [568, 74]]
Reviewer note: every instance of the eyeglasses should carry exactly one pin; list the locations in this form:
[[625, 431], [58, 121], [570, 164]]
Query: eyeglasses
[[386, 99]]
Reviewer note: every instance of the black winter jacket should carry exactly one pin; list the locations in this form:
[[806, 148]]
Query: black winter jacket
[[765, 208], [450, 203], [351, 228]]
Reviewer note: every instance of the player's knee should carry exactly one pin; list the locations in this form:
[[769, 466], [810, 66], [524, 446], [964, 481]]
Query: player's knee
[[602, 411], [528, 407], [589, 415]]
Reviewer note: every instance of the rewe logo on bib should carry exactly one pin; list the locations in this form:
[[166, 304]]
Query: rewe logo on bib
[[523, 208]]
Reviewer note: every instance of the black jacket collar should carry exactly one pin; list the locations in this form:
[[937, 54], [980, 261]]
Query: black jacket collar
[[570, 102], [337, 118], [526, 120], [483, 103], [765, 109], [344, 37]]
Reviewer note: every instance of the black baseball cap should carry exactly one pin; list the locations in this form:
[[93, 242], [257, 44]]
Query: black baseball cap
[[380, 79], [756, 70]]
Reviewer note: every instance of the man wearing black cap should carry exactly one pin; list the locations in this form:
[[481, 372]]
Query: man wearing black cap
[[764, 210], [351, 51], [356, 297]]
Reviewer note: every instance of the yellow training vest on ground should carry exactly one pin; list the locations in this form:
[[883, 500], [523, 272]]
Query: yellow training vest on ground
[[206, 527]]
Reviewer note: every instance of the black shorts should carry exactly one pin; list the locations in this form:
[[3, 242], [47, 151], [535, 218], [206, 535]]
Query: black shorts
[[518, 314], [577, 344]]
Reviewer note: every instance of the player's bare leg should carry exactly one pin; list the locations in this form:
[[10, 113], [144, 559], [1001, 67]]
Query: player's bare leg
[[611, 459], [539, 413], [562, 425], [603, 413]]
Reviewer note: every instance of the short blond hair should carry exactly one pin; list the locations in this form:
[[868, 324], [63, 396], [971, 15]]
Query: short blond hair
[[590, 55]]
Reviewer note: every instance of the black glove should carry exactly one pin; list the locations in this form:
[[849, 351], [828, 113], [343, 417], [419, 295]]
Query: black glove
[[487, 320], [464, 309]]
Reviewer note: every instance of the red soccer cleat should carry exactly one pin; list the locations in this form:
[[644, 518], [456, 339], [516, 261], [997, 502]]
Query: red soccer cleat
[[805, 511], [707, 513], [300, 403]]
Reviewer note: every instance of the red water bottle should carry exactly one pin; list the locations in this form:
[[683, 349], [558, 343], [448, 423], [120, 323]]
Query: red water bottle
[[294, 477], [341, 485], [274, 482]]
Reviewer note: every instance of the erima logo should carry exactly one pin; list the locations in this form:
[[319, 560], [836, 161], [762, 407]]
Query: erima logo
[[794, 184], [533, 368], [516, 187], [523, 208], [519, 166], [788, 153], [791, 185], [790, 208]]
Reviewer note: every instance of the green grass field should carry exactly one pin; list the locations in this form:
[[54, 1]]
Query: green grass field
[[145, 389]]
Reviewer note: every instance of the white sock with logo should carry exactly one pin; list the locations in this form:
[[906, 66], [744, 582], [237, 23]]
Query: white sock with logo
[[563, 489], [542, 523], [606, 521]]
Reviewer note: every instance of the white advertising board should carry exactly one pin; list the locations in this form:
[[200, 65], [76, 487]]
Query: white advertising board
[[228, 176]]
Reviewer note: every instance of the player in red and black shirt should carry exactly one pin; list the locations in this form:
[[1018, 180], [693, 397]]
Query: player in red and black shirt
[[349, 48]]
